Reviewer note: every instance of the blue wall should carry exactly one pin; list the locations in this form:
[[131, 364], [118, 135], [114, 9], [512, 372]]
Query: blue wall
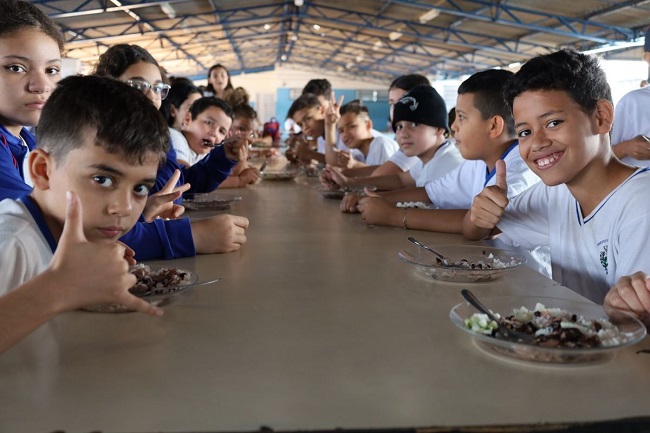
[[378, 110]]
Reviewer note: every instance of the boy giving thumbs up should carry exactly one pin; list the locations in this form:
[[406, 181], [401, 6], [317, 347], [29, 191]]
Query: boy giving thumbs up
[[81, 273]]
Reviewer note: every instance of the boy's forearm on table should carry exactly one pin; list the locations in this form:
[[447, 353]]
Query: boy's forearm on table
[[472, 231], [436, 220]]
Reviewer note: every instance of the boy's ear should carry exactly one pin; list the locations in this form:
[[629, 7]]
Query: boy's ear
[[186, 120], [497, 125], [369, 124], [173, 111], [604, 116], [40, 165]]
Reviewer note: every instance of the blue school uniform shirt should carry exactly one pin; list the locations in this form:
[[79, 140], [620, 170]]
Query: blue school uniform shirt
[[204, 176], [160, 239], [12, 157]]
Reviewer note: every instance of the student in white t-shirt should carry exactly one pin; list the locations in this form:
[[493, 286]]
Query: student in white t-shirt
[[205, 126], [354, 128], [485, 133], [631, 129], [590, 209]]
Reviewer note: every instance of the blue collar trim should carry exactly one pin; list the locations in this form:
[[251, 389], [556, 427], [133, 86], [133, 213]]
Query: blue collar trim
[[33, 209], [490, 174]]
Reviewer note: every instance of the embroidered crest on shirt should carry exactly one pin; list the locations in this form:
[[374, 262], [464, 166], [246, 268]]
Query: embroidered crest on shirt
[[410, 100], [603, 258]]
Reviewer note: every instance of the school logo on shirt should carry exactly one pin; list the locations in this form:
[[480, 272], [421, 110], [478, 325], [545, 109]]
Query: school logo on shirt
[[603, 255], [410, 100]]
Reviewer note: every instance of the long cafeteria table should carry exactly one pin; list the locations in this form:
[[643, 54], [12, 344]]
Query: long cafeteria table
[[316, 325]]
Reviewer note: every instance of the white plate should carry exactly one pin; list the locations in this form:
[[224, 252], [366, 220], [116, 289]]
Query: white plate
[[498, 260], [630, 330]]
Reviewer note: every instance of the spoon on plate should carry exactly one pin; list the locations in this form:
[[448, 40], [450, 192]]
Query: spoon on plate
[[444, 259], [263, 166], [502, 331]]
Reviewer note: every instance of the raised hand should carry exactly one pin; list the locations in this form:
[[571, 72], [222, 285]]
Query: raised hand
[[332, 113], [161, 204], [236, 146], [91, 273], [489, 205]]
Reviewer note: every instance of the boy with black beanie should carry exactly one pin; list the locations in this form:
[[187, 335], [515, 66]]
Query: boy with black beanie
[[420, 123]]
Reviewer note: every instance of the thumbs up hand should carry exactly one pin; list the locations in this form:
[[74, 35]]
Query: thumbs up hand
[[489, 205], [90, 273]]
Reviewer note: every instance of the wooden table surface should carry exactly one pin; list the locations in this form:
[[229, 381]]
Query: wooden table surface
[[316, 324]]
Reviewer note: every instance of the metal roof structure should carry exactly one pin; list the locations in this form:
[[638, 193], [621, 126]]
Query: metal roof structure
[[373, 40]]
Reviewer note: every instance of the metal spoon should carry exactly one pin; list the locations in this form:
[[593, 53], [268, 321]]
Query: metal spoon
[[263, 166], [428, 248], [502, 331]]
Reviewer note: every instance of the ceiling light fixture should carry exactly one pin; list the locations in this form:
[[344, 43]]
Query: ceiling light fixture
[[393, 36], [316, 27], [267, 26], [299, 2], [428, 16]]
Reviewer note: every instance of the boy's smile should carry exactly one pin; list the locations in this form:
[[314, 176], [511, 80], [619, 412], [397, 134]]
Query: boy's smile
[[557, 139], [112, 191]]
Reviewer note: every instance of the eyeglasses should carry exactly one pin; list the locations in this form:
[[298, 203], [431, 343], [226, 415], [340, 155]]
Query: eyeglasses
[[144, 87]]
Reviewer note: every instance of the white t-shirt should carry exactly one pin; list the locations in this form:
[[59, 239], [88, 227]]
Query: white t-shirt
[[631, 119], [24, 251], [402, 161], [457, 189], [445, 160], [381, 148], [398, 158], [356, 153], [182, 148], [588, 253]]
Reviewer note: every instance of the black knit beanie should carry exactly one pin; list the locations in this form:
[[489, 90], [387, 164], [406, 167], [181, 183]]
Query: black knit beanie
[[421, 105]]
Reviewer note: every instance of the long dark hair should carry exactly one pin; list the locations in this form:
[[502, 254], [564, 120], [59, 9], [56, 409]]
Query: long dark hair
[[181, 89]]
